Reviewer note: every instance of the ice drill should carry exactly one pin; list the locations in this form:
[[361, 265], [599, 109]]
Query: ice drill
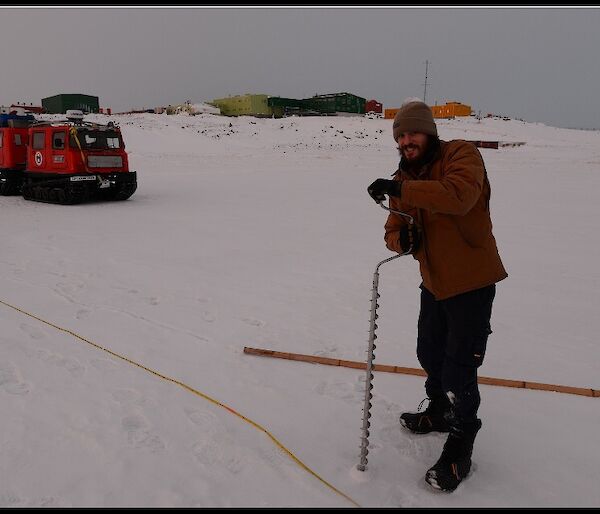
[[364, 445]]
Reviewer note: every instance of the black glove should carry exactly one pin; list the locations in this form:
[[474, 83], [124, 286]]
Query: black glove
[[410, 235], [382, 187]]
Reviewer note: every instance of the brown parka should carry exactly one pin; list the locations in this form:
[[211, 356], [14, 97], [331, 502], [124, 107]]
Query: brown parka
[[449, 199]]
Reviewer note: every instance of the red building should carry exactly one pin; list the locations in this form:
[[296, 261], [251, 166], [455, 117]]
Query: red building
[[31, 108], [374, 106]]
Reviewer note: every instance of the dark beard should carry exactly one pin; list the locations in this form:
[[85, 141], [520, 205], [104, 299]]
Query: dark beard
[[422, 153], [431, 148]]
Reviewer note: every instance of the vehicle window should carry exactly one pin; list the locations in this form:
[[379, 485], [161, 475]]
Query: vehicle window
[[112, 142], [1, 134], [97, 139], [38, 140], [18, 140], [58, 140]]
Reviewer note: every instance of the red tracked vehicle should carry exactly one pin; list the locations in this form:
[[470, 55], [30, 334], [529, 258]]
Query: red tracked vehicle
[[13, 149], [72, 161]]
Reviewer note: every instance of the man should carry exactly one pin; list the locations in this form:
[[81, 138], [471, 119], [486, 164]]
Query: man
[[444, 186]]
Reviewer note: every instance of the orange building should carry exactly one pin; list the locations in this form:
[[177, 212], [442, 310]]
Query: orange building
[[390, 114], [450, 110]]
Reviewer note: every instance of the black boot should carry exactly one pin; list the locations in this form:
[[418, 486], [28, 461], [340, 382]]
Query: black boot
[[455, 461], [433, 419]]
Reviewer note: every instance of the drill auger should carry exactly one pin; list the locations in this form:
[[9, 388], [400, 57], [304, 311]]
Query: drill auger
[[364, 445]]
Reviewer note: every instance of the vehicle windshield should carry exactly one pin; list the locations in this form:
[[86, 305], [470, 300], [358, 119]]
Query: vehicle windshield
[[90, 139]]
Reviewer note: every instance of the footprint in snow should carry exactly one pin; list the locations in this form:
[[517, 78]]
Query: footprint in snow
[[82, 313], [328, 351], [416, 446], [216, 447], [208, 316], [32, 332], [206, 453], [128, 397], [253, 322], [17, 388], [10, 380], [104, 365], [207, 421], [337, 389], [222, 451], [10, 500], [274, 456], [392, 433], [50, 501], [138, 435], [72, 365]]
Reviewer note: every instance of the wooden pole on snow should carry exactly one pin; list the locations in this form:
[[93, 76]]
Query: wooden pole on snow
[[522, 384]]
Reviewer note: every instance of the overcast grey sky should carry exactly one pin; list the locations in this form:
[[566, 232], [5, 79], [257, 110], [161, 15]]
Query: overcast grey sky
[[536, 64]]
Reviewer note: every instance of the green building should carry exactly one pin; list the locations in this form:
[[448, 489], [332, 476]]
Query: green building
[[291, 107], [332, 104], [60, 104], [336, 102], [244, 105], [267, 106], [284, 106]]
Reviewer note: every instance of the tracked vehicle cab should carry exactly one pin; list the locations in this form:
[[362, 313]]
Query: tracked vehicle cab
[[71, 161]]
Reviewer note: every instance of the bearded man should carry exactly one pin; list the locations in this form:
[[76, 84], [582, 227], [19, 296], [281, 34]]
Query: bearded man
[[444, 186]]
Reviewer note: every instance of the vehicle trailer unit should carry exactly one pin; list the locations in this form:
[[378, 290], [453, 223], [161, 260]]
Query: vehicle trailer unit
[[13, 150]]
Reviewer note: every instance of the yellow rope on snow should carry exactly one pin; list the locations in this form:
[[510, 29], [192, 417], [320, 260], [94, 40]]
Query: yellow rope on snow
[[192, 390]]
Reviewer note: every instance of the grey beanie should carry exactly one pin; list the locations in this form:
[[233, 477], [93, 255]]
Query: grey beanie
[[414, 117]]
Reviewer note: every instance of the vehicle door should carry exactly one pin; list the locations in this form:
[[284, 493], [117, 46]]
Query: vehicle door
[[20, 147], [58, 160], [39, 158]]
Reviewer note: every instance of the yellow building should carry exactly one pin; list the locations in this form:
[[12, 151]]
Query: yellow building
[[244, 105], [450, 110]]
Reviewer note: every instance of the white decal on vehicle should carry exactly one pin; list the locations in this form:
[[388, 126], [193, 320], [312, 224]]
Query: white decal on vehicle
[[80, 178]]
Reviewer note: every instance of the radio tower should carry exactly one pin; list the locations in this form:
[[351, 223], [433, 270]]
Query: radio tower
[[425, 90]]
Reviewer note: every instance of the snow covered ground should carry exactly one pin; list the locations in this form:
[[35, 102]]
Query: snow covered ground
[[259, 232]]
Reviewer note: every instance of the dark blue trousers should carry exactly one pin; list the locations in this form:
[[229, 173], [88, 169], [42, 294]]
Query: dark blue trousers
[[451, 343]]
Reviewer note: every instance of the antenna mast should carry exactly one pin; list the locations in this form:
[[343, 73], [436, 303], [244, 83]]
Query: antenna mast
[[425, 90]]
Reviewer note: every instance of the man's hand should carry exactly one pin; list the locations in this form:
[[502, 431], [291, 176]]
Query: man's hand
[[382, 187], [410, 237]]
